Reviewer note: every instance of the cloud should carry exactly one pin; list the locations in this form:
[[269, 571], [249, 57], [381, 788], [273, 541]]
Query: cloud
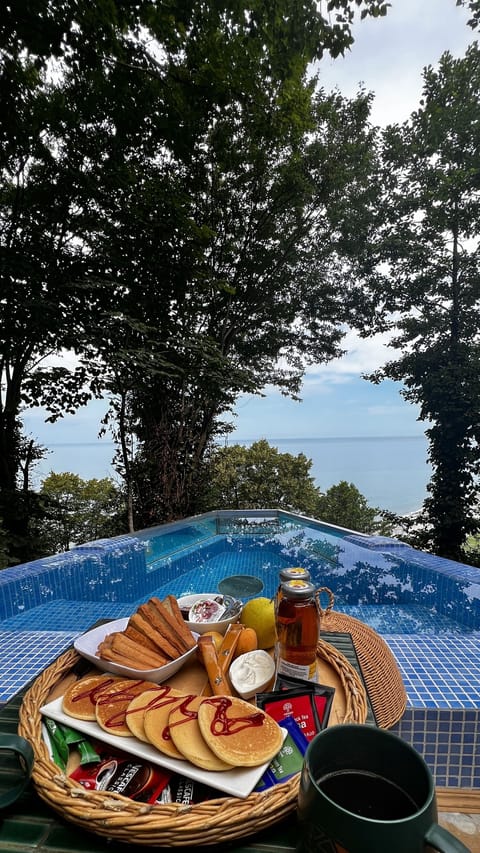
[[363, 355], [389, 54]]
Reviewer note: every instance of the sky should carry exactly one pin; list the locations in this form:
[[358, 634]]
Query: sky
[[387, 58]]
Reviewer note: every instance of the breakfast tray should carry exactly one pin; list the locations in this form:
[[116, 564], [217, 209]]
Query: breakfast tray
[[215, 821]]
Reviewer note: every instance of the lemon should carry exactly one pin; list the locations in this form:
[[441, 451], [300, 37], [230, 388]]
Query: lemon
[[217, 638], [217, 642], [259, 614]]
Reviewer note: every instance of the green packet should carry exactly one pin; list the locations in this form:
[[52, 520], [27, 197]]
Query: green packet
[[61, 738], [289, 759]]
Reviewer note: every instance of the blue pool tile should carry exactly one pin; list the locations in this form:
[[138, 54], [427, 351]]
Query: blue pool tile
[[24, 654]]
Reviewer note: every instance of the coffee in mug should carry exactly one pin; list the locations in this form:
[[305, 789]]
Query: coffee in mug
[[365, 790]]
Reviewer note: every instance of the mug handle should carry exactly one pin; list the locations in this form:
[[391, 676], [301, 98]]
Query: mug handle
[[24, 752], [442, 840]]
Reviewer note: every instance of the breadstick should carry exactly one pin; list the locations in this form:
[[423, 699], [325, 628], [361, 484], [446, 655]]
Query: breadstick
[[229, 644], [216, 676]]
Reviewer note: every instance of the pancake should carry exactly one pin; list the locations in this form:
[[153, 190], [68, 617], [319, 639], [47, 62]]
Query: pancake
[[81, 697], [155, 723], [112, 704], [143, 702], [237, 732], [187, 737]]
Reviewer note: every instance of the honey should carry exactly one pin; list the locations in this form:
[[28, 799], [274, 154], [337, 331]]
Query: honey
[[290, 574], [297, 630]]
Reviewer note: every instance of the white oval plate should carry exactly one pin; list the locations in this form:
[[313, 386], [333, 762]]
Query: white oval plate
[[88, 643]]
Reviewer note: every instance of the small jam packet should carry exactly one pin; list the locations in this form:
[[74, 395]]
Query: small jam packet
[[289, 759], [209, 610]]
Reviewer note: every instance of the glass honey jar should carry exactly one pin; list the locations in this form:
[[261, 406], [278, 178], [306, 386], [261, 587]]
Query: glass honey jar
[[298, 625]]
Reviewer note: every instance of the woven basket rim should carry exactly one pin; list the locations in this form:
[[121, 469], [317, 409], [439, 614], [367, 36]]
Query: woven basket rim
[[380, 671], [115, 816]]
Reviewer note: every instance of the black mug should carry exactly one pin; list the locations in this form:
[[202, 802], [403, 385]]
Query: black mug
[[365, 790]]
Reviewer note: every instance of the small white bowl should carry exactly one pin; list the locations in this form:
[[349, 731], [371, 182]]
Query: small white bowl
[[88, 643], [185, 602], [251, 673]]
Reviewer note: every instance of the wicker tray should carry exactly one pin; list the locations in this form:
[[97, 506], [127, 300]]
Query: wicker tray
[[380, 671], [171, 825]]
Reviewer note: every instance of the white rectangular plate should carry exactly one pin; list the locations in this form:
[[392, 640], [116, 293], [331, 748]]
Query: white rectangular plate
[[238, 782]]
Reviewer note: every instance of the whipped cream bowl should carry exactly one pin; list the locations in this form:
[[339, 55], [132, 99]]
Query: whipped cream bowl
[[251, 673]]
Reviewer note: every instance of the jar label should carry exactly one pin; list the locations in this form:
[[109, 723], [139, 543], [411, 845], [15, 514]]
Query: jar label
[[306, 671]]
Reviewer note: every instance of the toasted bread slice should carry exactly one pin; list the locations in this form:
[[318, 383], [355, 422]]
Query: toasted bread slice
[[166, 624], [142, 640], [217, 677], [142, 621], [171, 604], [119, 643]]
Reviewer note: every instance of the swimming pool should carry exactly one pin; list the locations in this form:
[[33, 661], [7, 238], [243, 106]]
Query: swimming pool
[[427, 609]]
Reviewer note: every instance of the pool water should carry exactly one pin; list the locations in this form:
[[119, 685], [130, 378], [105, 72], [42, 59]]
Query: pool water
[[207, 563], [164, 544]]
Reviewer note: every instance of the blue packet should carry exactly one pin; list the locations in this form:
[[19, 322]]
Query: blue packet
[[289, 760]]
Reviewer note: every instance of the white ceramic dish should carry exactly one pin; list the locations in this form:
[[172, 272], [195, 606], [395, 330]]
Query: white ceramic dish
[[238, 782], [88, 643], [185, 602], [251, 673]]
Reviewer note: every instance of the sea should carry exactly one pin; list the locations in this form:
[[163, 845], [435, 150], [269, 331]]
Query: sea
[[391, 472]]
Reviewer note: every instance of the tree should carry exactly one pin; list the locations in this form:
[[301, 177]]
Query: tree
[[344, 505], [231, 257], [80, 510], [474, 7], [260, 476], [430, 238], [153, 174]]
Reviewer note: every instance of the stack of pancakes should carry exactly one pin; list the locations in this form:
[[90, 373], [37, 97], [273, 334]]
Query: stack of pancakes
[[155, 635], [214, 733]]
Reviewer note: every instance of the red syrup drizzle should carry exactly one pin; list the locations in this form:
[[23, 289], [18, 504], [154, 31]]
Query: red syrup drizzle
[[222, 725], [159, 701], [93, 694], [187, 715], [125, 695]]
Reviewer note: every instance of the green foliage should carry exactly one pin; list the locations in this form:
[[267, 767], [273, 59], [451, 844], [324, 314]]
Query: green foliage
[[474, 8], [4, 554], [173, 211], [80, 510], [259, 477], [429, 222], [344, 505]]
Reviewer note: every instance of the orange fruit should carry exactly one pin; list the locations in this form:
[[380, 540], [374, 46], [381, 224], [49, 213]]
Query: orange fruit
[[247, 642]]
